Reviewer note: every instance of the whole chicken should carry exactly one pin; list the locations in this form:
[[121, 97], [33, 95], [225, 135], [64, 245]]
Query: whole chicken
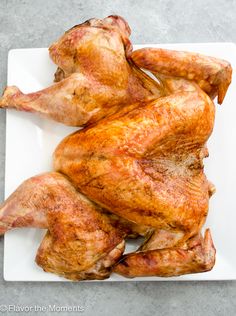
[[137, 166]]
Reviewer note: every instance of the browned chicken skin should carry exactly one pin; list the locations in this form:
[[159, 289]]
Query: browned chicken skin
[[147, 164], [139, 159], [81, 242]]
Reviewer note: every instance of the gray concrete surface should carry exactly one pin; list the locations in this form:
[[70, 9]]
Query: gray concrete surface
[[36, 24]]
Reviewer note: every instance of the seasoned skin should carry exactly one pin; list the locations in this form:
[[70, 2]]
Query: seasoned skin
[[65, 256], [73, 222], [98, 78], [213, 75], [199, 257], [147, 165]]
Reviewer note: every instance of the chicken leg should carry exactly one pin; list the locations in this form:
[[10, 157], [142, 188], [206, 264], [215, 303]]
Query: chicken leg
[[98, 78], [81, 242]]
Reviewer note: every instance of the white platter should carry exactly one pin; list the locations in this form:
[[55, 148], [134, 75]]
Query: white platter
[[30, 142]]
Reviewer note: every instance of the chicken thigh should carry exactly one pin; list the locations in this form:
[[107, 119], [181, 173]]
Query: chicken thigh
[[99, 80], [81, 242]]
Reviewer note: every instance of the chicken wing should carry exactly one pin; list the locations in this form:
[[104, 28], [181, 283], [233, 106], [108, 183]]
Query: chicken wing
[[213, 75], [198, 257]]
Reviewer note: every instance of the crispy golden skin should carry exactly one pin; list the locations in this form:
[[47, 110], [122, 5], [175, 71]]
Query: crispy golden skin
[[81, 242]]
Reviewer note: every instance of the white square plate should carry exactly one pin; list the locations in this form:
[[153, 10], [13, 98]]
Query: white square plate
[[31, 140]]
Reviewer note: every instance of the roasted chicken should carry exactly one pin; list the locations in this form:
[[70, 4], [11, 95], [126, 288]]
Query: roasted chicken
[[136, 169]]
